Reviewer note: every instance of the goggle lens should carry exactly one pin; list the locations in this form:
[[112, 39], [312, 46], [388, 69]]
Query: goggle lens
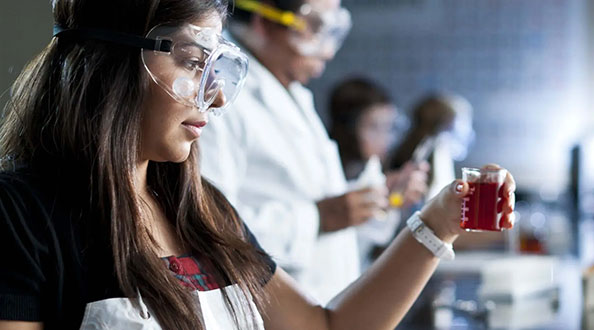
[[194, 74]]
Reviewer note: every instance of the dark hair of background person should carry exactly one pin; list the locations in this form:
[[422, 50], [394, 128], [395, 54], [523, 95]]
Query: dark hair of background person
[[430, 116], [74, 116], [240, 15], [348, 102]]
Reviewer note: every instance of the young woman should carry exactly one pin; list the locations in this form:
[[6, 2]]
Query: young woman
[[364, 124], [105, 222]]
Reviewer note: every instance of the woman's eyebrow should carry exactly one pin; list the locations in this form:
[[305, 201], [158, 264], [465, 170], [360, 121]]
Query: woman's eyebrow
[[191, 47]]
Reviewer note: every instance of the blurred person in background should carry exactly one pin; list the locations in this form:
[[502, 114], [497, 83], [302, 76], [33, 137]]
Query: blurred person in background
[[443, 123], [273, 158], [441, 128], [365, 124]]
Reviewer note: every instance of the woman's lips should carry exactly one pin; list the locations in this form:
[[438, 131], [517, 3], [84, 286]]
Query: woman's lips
[[195, 128]]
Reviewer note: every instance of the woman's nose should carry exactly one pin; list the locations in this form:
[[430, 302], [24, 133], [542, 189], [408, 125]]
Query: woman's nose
[[220, 100]]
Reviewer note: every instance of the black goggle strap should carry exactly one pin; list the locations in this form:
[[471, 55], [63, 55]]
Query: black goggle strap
[[161, 45]]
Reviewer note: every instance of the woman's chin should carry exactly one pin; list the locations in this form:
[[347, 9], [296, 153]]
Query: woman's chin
[[172, 152], [179, 156]]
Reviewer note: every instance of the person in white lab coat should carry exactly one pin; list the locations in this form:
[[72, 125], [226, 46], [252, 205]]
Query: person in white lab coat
[[271, 155], [365, 123]]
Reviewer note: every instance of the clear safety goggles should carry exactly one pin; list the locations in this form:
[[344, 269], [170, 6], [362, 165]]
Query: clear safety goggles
[[315, 32], [195, 66], [192, 64], [384, 130]]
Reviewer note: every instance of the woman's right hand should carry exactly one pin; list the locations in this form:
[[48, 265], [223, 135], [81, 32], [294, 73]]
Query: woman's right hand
[[442, 213]]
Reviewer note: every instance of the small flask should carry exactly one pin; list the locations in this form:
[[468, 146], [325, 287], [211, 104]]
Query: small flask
[[372, 177]]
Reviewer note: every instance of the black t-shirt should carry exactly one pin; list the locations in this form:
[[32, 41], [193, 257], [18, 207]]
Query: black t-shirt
[[53, 263]]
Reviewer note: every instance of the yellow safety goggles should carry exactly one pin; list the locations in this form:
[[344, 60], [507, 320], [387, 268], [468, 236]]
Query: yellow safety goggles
[[283, 17], [316, 32]]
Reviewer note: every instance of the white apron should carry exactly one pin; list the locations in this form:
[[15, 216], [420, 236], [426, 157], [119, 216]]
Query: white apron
[[120, 313]]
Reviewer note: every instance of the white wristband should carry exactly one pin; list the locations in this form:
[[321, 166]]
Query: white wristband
[[425, 236]]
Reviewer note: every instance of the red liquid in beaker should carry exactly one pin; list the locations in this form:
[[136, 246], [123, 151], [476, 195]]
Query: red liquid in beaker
[[479, 207]]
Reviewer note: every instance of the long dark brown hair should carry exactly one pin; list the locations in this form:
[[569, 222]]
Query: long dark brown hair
[[349, 100], [75, 112]]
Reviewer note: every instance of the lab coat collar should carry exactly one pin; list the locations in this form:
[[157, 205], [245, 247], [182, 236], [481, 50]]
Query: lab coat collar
[[261, 77], [297, 100]]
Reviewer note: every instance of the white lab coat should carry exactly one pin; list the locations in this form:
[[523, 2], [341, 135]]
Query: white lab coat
[[272, 158]]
